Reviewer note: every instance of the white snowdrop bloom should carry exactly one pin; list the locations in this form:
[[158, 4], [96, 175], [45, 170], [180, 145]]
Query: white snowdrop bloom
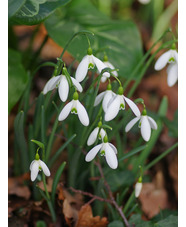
[[108, 65], [77, 108], [94, 134], [144, 1], [105, 97], [106, 149], [61, 83], [118, 103], [145, 124], [138, 188], [171, 57], [36, 166], [88, 62]]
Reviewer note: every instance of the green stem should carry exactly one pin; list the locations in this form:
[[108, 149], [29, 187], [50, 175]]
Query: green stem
[[160, 157]]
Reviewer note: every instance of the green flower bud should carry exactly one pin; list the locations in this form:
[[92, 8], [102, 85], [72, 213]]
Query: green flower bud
[[37, 156], [75, 95], [120, 90], [109, 87], [105, 139], [89, 51], [144, 112]]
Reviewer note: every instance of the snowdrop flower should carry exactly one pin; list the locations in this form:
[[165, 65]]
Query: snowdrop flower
[[117, 103], [145, 123], [171, 57], [36, 166], [106, 96], [144, 1], [77, 108], [109, 65], [88, 62], [94, 134], [106, 149], [138, 188], [63, 86]]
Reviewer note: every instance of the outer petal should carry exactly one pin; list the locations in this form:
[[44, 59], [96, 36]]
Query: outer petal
[[82, 114], [103, 79], [34, 170], [111, 157], [133, 107], [82, 69], [51, 84], [113, 147], [131, 124], [92, 153], [145, 128], [65, 111], [162, 60], [106, 99], [152, 122], [77, 84], [102, 133], [45, 168], [138, 187], [99, 98], [100, 66], [109, 65], [93, 136], [172, 71], [113, 109], [63, 89], [32, 164]]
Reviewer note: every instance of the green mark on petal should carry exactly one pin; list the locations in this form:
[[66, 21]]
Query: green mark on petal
[[122, 106], [90, 66], [102, 153], [171, 60], [74, 111]]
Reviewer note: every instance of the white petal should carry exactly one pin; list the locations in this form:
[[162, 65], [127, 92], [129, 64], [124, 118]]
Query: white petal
[[145, 128], [109, 65], [102, 133], [103, 79], [77, 84], [100, 66], [92, 153], [111, 157], [113, 109], [65, 111], [106, 99], [162, 60], [82, 114], [152, 122], [99, 98], [51, 84], [138, 187], [133, 107], [172, 71], [34, 170], [44, 168], [63, 89], [131, 124], [93, 136], [31, 164], [175, 53], [113, 147], [82, 69]]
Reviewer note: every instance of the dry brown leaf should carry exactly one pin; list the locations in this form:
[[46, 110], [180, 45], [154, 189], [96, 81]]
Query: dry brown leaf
[[86, 219], [154, 197], [48, 185], [16, 186]]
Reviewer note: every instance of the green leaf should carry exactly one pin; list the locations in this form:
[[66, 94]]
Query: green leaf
[[40, 224], [116, 223], [136, 219], [41, 145], [56, 180], [17, 78], [170, 221], [121, 37], [34, 11], [119, 179], [14, 6]]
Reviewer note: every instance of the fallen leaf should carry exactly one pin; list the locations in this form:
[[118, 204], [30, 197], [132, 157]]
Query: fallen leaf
[[86, 219]]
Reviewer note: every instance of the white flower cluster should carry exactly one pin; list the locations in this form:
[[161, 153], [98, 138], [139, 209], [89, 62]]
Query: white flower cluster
[[112, 103]]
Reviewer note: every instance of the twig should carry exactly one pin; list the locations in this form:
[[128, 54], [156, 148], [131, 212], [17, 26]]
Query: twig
[[119, 209], [91, 195]]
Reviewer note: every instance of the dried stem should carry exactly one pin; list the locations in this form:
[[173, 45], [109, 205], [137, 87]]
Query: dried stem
[[119, 209], [91, 195]]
